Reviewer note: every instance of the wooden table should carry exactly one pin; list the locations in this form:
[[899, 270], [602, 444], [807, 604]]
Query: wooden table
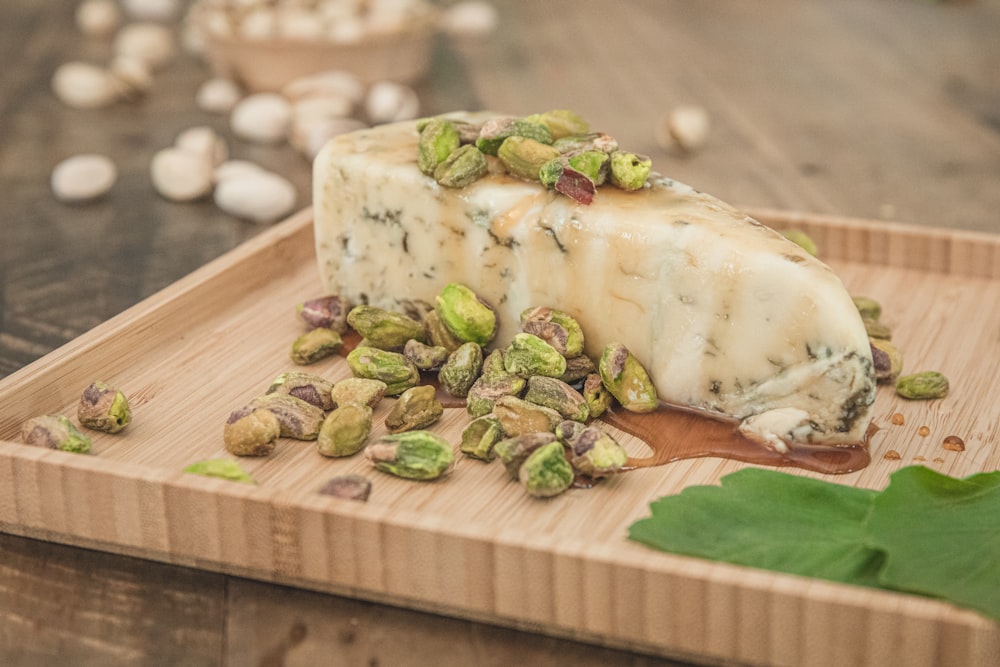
[[880, 110]]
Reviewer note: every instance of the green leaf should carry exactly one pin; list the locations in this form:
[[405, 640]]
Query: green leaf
[[771, 520], [942, 536]]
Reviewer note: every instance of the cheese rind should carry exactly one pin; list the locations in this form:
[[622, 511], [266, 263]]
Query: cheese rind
[[727, 315]]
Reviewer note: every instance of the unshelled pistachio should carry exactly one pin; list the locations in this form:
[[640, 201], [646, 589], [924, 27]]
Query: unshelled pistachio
[[416, 408], [392, 368], [251, 431], [298, 419], [345, 430], [626, 379], [462, 369], [419, 455], [924, 385], [104, 408], [55, 432], [546, 472], [314, 345], [479, 437], [309, 387]]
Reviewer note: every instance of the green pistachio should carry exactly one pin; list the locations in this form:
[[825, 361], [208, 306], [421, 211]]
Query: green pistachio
[[464, 166], [314, 345], [593, 452], [494, 383], [392, 368], [556, 394], [801, 239], [325, 312], [103, 408], [577, 369], [529, 355], [546, 472], [561, 122], [869, 308], [629, 171], [438, 334], [559, 175], [310, 388], [425, 357], [515, 450], [438, 138], [479, 437], [348, 487], [462, 369], [363, 391], [221, 468], [251, 431], [888, 360], [922, 386], [876, 329], [345, 430], [597, 395], [596, 141], [595, 164], [298, 419], [55, 432], [626, 379], [419, 455], [558, 329], [517, 416], [495, 131], [385, 329], [524, 157], [465, 315], [416, 408]]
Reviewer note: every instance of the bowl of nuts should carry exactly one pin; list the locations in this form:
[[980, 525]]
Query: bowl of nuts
[[264, 44]]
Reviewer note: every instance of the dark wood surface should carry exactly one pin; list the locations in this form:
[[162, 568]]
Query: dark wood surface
[[880, 110]]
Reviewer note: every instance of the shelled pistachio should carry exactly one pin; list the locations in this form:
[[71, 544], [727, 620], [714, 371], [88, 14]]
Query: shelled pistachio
[[418, 455], [55, 432], [104, 408], [416, 408], [345, 430]]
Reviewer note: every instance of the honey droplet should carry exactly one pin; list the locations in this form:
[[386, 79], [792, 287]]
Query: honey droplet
[[891, 455], [918, 457], [938, 459], [923, 431], [954, 443], [898, 419]]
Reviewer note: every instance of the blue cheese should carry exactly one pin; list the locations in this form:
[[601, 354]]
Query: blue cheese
[[728, 316]]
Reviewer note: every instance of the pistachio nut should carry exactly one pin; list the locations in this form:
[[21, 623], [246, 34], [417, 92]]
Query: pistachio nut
[[546, 472], [345, 430], [594, 164], [888, 360], [103, 408], [596, 394], [222, 469], [438, 138], [310, 388], [425, 357], [594, 141], [315, 345], [593, 452], [494, 382], [463, 166], [385, 329], [462, 369], [626, 379], [629, 171], [348, 487], [525, 157], [438, 334], [577, 369], [560, 123], [251, 431], [558, 329], [868, 308], [496, 131], [802, 240], [517, 416], [922, 386], [416, 408], [465, 315], [529, 355], [515, 450], [556, 394], [564, 179], [298, 419], [392, 368], [55, 432], [326, 312], [876, 329], [419, 455], [363, 391], [479, 437]]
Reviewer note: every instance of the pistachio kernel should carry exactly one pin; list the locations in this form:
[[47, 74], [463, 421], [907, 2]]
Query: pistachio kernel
[[310, 388], [298, 419], [55, 432], [626, 379], [326, 312], [251, 431], [314, 345], [577, 369], [438, 138], [467, 317], [418, 455], [494, 383], [802, 240], [561, 123], [518, 416], [461, 370], [385, 329], [345, 430], [416, 408], [348, 487], [597, 395], [556, 394], [925, 385], [876, 329], [595, 141], [555, 327], [103, 408], [363, 391], [438, 334], [495, 131], [529, 355], [514, 451], [480, 436], [525, 157], [546, 472], [888, 360], [629, 171], [425, 357], [868, 308], [593, 452], [222, 469], [463, 166], [392, 368]]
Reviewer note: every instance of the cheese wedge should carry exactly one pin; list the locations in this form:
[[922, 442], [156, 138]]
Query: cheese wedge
[[727, 315]]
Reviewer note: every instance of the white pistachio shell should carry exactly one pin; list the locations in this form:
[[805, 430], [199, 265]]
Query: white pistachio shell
[[261, 197], [204, 141], [85, 86], [83, 177], [150, 42], [261, 118], [181, 175], [98, 18]]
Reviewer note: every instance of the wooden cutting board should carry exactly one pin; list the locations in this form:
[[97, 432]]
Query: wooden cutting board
[[473, 544]]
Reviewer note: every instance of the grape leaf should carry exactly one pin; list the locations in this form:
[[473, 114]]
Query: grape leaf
[[770, 520], [941, 536]]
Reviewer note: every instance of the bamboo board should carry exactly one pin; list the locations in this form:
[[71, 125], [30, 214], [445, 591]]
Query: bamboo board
[[473, 545]]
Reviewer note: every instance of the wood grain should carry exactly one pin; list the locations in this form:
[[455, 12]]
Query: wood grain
[[473, 545]]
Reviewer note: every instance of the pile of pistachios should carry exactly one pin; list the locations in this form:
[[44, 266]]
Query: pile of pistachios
[[555, 148], [101, 408]]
